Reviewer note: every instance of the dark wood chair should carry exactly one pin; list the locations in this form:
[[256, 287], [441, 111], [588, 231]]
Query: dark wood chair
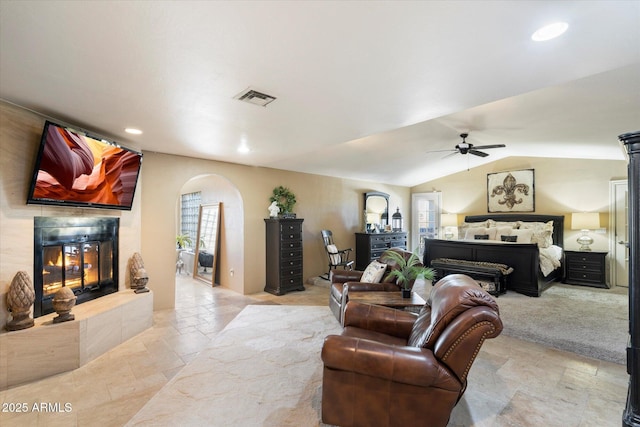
[[337, 257]]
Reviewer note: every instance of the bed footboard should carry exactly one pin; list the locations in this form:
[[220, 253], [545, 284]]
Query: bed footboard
[[526, 277]]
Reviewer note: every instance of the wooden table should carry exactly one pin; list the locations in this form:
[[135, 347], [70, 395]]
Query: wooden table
[[388, 299]]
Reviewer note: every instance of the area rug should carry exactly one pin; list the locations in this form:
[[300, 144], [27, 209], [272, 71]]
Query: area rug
[[232, 382], [588, 321]]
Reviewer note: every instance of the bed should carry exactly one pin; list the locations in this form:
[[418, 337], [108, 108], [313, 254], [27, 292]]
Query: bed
[[528, 260]]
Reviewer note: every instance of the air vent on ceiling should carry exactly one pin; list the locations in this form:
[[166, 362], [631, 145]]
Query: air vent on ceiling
[[254, 97]]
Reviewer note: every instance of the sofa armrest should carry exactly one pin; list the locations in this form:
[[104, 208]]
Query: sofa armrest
[[386, 320], [365, 286], [407, 365], [343, 276]]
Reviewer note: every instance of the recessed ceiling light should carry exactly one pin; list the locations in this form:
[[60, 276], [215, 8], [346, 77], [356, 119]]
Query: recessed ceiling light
[[133, 131], [550, 31], [243, 148]]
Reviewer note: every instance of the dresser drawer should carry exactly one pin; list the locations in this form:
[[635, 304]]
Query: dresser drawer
[[289, 283], [377, 253], [289, 228], [290, 271], [378, 240], [585, 276], [587, 266], [379, 245], [291, 244], [291, 235], [291, 253]]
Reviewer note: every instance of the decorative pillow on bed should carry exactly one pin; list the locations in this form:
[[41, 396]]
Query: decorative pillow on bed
[[462, 230], [508, 238], [503, 231], [473, 232], [522, 236], [542, 232], [510, 224], [374, 272]]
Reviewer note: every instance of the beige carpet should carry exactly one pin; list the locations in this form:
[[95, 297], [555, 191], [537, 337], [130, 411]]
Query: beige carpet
[[588, 321], [232, 382]]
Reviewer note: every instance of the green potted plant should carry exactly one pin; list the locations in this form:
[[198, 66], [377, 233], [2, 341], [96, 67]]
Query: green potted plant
[[183, 240], [407, 270], [285, 200]]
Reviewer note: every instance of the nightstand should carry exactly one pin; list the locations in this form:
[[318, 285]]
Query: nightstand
[[585, 268]]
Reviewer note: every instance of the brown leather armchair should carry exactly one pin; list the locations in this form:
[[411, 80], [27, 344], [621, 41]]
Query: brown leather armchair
[[351, 278], [393, 368]]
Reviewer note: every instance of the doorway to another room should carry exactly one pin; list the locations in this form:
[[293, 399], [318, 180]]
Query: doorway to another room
[[209, 233], [619, 243]]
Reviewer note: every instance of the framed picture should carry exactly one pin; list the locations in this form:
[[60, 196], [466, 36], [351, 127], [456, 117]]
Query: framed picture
[[511, 191]]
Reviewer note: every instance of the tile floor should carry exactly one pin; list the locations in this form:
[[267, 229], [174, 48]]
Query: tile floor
[[512, 383]]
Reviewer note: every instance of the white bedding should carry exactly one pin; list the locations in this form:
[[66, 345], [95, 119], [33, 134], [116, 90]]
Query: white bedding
[[550, 259]]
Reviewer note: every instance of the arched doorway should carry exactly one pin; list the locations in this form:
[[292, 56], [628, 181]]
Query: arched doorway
[[213, 188]]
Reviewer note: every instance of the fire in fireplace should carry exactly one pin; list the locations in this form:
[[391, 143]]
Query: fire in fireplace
[[79, 253]]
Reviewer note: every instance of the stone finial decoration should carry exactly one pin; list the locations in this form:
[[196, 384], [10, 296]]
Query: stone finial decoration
[[138, 274], [63, 302], [19, 301]]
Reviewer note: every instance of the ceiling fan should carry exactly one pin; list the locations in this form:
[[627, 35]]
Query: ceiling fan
[[467, 148]]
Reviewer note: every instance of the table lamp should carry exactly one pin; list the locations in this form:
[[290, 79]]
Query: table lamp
[[448, 220], [585, 221]]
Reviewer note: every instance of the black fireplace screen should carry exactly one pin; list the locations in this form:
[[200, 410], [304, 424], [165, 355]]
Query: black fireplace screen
[[79, 253]]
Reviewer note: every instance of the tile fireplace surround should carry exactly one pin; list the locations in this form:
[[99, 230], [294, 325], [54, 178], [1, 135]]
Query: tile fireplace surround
[[48, 349]]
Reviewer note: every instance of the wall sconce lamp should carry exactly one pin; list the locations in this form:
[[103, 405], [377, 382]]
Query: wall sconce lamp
[[449, 221], [585, 221]]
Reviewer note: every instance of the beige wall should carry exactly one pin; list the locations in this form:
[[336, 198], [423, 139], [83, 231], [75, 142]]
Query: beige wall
[[322, 202], [562, 186], [20, 133]]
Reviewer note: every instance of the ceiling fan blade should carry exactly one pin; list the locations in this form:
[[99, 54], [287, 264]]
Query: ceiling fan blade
[[441, 151], [451, 154], [477, 153], [484, 147]]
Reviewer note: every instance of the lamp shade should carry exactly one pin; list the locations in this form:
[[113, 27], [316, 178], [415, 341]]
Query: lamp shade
[[585, 220], [449, 220]]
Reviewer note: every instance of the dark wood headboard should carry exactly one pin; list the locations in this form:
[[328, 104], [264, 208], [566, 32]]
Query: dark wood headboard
[[558, 222]]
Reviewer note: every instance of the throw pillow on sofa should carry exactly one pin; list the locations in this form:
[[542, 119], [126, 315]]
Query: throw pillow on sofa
[[374, 272]]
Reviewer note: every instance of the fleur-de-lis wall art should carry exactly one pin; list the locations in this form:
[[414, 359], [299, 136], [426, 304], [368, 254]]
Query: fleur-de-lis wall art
[[511, 191]]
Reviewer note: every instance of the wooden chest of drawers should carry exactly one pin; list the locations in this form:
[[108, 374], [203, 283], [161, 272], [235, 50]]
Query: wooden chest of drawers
[[284, 255], [369, 246], [585, 268]]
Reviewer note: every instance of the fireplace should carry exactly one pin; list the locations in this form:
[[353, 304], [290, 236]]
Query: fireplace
[[79, 253]]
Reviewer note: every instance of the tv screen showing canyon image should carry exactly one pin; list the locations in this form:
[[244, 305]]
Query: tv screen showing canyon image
[[76, 169]]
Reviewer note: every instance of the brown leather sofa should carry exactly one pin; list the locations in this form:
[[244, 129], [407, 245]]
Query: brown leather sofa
[[340, 278], [393, 368]]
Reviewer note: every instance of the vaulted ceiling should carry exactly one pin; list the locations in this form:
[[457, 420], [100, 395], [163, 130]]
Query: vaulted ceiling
[[364, 90]]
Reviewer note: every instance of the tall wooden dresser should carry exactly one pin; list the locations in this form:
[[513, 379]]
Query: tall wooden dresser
[[369, 246], [284, 255]]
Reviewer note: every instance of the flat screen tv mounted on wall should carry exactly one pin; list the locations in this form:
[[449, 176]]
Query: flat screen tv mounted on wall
[[77, 169]]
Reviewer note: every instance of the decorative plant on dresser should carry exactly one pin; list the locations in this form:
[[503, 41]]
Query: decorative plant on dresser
[[285, 200]]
